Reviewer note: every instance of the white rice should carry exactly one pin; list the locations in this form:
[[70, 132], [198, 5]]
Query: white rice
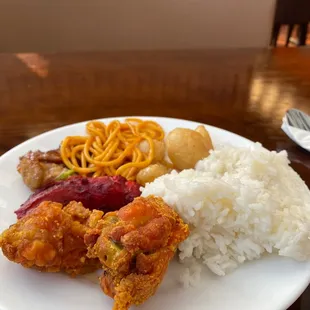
[[240, 203]]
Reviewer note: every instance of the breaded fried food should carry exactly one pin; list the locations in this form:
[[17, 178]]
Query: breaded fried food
[[51, 238], [135, 245]]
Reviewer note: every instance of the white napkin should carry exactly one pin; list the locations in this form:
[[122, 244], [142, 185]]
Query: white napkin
[[300, 136]]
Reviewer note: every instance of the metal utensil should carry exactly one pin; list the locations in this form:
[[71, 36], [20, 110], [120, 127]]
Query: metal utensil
[[298, 119]]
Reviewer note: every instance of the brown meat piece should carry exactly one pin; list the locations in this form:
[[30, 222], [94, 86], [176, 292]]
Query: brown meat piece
[[135, 245], [51, 239], [40, 168], [52, 156]]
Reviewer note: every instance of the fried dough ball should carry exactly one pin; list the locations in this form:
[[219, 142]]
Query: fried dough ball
[[186, 147], [205, 134], [159, 149], [150, 173]]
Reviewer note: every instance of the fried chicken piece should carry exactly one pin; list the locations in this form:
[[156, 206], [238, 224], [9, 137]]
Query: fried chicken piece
[[40, 168], [51, 238], [135, 245]]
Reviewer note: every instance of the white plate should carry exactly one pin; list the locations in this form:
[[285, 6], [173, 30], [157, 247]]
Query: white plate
[[272, 283]]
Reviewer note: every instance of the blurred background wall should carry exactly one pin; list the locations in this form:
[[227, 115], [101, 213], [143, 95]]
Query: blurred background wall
[[65, 25]]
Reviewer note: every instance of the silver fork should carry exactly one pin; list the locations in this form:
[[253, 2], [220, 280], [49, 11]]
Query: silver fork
[[298, 119]]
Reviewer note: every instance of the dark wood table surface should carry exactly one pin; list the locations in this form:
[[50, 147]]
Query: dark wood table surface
[[244, 91]]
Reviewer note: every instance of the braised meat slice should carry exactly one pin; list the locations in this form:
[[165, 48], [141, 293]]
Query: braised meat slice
[[40, 168]]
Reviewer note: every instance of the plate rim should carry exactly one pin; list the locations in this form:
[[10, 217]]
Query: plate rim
[[14, 148]]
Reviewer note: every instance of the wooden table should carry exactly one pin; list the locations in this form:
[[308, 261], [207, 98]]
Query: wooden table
[[244, 91]]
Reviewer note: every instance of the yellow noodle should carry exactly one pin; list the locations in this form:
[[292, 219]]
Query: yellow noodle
[[83, 161], [111, 149]]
